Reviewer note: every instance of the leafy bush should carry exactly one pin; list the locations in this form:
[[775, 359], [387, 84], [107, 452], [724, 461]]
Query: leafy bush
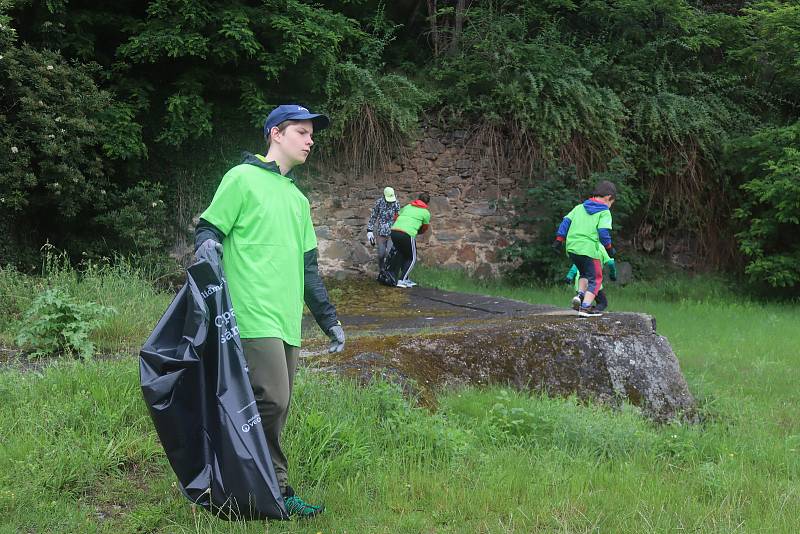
[[58, 133], [535, 84], [56, 323], [770, 181]]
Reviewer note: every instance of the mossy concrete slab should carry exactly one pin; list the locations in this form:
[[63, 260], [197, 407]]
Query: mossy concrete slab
[[428, 339]]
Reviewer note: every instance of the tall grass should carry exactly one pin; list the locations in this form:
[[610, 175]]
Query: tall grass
[[127, 288], [79, 454]]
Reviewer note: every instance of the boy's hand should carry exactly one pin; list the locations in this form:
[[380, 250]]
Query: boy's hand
[[557, 245], [569, 279], [371, 238], [612, 270], [611, 252], [204, 250], [336, 334]]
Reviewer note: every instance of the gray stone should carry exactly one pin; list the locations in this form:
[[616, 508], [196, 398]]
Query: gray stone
[[480, 208], [463, 164], [491, 192], [624, 272], [323, 232], [344, 214], [338, 250], [432, 145], [420, 164], [361, 254], [453, 180], [440, 205], [478, 340], [445, 237]]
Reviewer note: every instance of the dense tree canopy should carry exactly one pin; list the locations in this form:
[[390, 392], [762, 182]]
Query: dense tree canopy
[[691, 105]]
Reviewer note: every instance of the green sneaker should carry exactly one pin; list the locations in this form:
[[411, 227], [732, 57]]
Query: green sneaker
[[297, 507]]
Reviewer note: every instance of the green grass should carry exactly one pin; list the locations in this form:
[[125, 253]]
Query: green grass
[[78, 452], [119, 285]]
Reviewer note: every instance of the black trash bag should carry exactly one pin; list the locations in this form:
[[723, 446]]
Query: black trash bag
[[194, 379], [387, 276]]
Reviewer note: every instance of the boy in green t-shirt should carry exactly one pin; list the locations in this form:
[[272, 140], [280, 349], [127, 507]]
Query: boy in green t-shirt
[[412, 220], [587, 230], [262, 223]]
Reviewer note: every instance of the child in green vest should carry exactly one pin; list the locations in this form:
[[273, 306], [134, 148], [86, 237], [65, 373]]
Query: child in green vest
[[587, 230]]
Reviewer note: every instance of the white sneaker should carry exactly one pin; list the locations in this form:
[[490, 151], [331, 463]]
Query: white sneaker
[[409, 283], [401, 283]]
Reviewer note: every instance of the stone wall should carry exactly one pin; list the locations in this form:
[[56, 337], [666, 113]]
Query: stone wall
[[469, 213]]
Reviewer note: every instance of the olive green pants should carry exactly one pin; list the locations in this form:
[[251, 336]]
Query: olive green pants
[[272, 365]]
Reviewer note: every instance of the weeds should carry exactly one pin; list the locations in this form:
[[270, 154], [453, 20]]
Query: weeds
[[55, 324]]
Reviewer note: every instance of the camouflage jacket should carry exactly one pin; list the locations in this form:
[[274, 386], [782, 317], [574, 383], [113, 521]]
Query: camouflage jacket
[[383, 214]]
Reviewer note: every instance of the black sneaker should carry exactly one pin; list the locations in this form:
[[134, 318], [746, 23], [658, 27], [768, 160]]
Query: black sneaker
[[297, 507], [589, 311]]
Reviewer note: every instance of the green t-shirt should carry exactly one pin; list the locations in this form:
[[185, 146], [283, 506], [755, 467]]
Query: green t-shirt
[[267, 225], [582, 237], [411, 218]]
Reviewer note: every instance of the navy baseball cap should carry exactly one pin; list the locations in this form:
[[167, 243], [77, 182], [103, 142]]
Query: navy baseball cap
[[293, 112]]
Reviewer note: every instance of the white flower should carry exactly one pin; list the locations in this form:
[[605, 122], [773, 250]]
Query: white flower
[[49, 67], [58, 119], [51, 136], [102, 191], [154, 204], [1, 57], [14, 150]]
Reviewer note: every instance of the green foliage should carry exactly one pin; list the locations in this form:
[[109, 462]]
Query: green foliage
[[132, 218], [533, 82], [770, 164], [582, 83], [58, 130], [49, 131], [160, 92], [167, 80], [56, 324], [771, 50], [374, 116]]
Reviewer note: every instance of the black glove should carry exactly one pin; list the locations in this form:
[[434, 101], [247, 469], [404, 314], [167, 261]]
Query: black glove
[[336, 333], [569, 279], [557, 245], [611, 252], [202, 252]]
